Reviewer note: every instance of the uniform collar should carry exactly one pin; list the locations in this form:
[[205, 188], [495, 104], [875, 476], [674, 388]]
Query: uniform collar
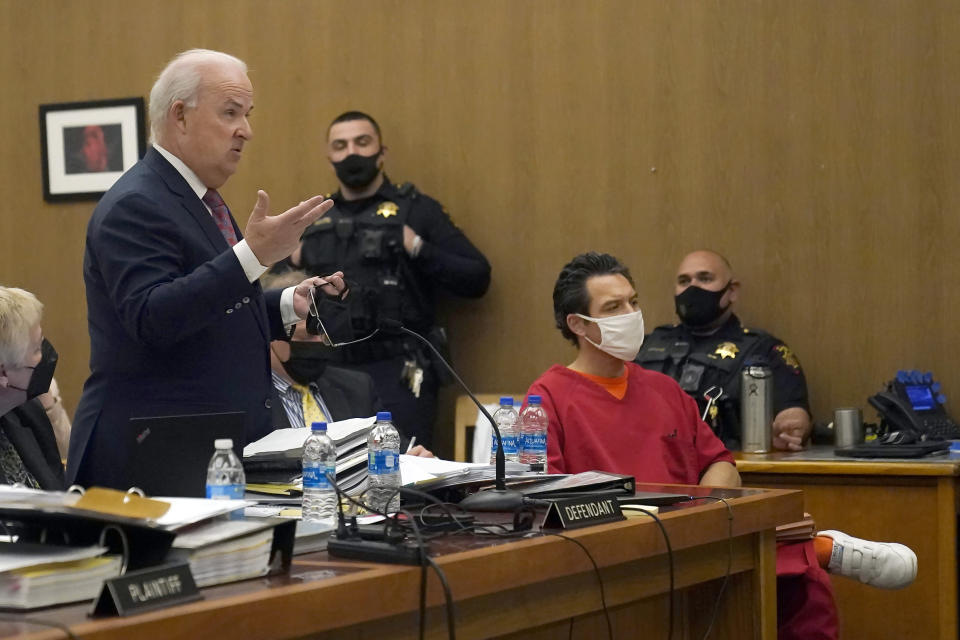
[[386, 190], [730, 327]]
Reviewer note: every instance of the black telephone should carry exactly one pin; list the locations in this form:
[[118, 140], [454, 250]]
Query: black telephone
[[912, 404]]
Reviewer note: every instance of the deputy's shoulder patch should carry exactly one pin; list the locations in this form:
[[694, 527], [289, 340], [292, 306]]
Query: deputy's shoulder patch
[[789, 357], [406, 189], [325, 221]]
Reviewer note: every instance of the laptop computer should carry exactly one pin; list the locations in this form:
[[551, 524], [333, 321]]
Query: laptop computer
[[169, 454]]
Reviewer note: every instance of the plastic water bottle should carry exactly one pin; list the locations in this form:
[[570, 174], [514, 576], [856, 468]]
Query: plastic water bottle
[[319, 466], [225, 477], [383, 465], [533, 434], [506, 419]]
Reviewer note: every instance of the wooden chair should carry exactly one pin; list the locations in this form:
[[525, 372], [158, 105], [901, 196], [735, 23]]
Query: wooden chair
[[465, 418]]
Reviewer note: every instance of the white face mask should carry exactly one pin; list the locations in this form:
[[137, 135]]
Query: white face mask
[[620, 336]]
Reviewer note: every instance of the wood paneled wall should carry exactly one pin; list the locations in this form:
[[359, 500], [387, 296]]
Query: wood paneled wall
[[815, 143]]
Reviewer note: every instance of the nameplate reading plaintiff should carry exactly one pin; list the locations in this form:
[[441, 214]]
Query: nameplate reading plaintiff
[[573, 513], [146, 590]]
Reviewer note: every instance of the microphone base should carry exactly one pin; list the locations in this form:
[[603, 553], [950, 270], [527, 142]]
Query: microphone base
[[493, 500]]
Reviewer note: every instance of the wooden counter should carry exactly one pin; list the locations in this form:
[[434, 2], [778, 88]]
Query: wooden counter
[[531, 588], [914, 502]]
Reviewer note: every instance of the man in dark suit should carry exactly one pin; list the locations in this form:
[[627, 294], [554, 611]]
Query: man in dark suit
[[28, 446], [178, 323]]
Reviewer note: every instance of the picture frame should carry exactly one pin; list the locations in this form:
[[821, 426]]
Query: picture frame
[[86, 146]]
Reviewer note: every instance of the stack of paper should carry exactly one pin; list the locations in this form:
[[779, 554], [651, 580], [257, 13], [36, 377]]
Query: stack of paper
[[419, 471], [225, 550], [187, 511], [33, 575], [346, 434], [283, 449], [311, 536]]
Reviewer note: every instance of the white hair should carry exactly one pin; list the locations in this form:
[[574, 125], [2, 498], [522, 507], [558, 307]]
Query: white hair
[[180, 80], [20, 312]]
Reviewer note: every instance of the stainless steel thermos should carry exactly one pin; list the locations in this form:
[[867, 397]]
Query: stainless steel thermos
[[756, 409]]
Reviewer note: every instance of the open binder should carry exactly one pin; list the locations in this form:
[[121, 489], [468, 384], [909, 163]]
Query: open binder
[[142, 531], [112, 519]]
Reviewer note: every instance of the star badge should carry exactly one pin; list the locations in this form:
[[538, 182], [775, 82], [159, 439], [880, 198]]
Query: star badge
[[727, 350], [387, 209]]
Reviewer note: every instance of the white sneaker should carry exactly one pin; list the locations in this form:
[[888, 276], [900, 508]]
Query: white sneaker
[[887, 565]]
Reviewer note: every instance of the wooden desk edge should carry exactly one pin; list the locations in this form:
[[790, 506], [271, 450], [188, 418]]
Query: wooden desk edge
[[770, 463], [759, 512]]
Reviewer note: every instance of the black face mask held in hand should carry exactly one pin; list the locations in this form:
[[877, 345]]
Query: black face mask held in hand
[[697, 307], [43, 372], [358, 171]]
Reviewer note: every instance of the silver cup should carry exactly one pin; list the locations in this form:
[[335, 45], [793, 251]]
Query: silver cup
[[848, 426], [756, 409]]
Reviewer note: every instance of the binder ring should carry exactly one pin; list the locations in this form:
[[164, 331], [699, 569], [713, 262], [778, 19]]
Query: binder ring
[[75, 488], [123, 542], [134, 491]]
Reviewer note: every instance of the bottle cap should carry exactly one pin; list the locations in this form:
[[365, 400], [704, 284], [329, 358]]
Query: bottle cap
[[534, 399], [384, 415], [507, 400], [223, 443], [318, 426]]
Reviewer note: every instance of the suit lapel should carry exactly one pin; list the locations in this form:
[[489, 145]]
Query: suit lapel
[[189, 200], [198, 211], [280, 419], [334, 399]]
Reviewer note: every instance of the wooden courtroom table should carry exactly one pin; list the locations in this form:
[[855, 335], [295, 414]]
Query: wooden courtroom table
[[528, 588], [914, 502]]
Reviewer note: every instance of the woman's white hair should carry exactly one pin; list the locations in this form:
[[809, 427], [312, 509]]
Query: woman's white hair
[[180, 80], [20, 312]]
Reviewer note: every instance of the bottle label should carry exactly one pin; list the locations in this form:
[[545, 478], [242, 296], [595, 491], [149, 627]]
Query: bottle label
[[509, 445], [535, 443], [381, 462], [315, 476], [225, 491]]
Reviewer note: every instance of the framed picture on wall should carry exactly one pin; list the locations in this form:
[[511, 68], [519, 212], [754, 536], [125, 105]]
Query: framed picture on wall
[[86, 146]]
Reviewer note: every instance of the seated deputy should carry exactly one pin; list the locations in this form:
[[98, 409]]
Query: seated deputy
[[28, 446], [609, 414], [710, 347], [306, 389]]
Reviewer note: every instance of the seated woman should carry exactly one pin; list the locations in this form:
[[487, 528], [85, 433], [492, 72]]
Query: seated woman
[[28, 446]]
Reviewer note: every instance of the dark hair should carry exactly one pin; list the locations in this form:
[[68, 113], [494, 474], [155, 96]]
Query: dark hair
[[349, 116], [570, 291]]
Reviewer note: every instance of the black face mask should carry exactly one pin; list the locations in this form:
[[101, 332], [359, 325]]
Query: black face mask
[[308, 361], [43, 372], [698, 307], [332, 320], [358, 171]]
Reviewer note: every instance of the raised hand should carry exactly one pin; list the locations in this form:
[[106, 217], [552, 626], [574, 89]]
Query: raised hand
[[274, 237]]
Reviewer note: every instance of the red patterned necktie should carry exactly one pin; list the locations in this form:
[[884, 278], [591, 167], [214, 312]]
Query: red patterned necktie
[[221, 215]]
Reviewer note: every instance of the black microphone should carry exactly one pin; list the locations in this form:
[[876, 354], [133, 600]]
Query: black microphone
[[500, 498], [388, 313]]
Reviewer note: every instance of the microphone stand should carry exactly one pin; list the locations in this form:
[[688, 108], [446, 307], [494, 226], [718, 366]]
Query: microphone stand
[[499, 498]]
